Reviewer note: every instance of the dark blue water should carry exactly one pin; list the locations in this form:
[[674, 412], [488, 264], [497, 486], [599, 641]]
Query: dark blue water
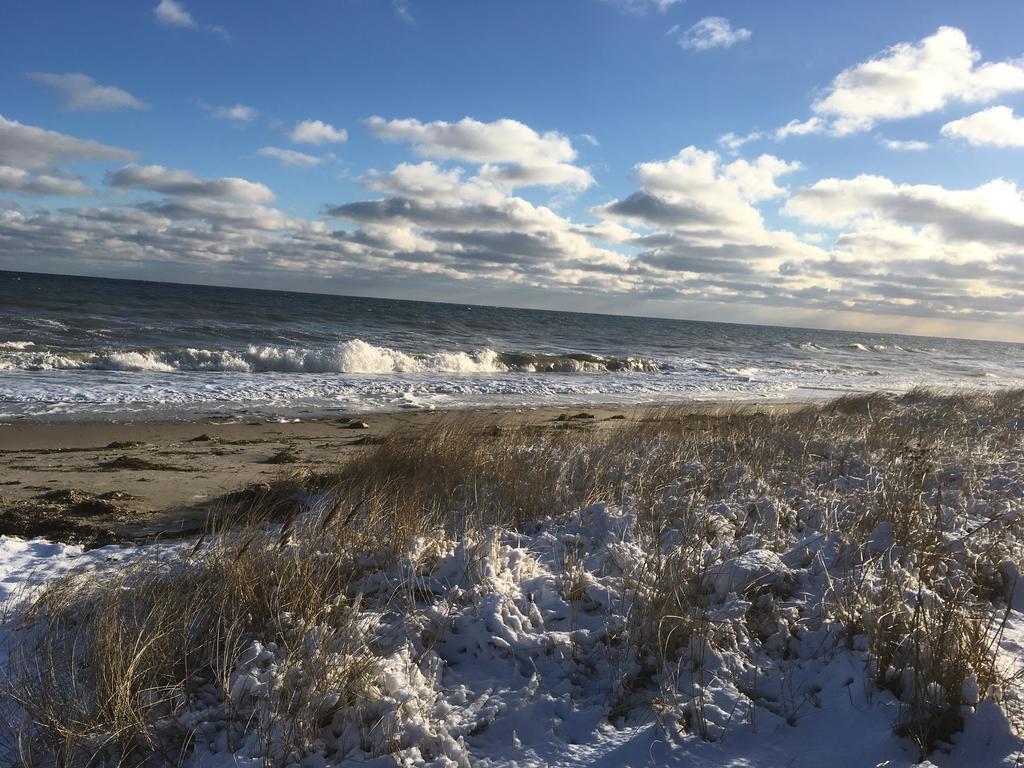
[[86, 347]]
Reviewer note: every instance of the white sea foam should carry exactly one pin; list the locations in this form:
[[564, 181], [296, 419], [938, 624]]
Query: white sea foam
[[162, 394], [353, 356]]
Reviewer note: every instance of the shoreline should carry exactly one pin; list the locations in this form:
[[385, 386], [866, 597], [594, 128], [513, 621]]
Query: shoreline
[[245, 412]]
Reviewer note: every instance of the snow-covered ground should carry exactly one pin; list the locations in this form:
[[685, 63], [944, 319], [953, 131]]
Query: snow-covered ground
[[502, 669]]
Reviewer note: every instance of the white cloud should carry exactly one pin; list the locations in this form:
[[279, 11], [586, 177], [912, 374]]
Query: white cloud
[[173, 14], [403, 10], [511, 152], [920, 249], [991, 214], [81, 92], [911, 79], [428, 181], [643, 6], [317, 132], [238, 113], [799, 128], [502, 141], [557, 175], [23, 182], [32, 148], [992, 127], [157, 178], [701, 221], [289, 157], [905, 145], [710, 32], [733, 142], [756, 181], [240, 217]]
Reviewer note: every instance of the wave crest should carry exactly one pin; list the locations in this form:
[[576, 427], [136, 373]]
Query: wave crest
[[354, 356]]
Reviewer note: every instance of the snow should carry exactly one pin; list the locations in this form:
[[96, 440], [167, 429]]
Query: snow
[[27, 562], [758, 567], [520, 667]]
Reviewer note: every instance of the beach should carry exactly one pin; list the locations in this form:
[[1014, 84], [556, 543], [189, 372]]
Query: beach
[[154, 479], [166, 478]]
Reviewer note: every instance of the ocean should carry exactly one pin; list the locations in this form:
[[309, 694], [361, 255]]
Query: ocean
[[91, 348]]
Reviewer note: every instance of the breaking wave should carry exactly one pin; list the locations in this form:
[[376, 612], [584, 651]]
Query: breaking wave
[[354, 356]]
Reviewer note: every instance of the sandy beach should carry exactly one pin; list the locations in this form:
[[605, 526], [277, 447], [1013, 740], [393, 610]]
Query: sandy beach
[[98, 482]]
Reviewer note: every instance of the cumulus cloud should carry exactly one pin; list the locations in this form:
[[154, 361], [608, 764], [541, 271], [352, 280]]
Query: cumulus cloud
[[502, 141], [917, 249], [317, 132], [157, 178], [757, 180], [31, 148], [992, 213], [700, 228], [22, 182], [992, 127], [732, 142], [696, 188], [289, 157], [710, 32], [173, 14], [643, 6], [429, 181], [799, 128], [238, 113], [518, 175], [444, 221], [905, 145], [911, 79], [510, 151], [236, 216], [81, 92]]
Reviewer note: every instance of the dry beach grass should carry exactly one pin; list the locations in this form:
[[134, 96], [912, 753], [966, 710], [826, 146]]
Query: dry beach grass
[[884, 526]]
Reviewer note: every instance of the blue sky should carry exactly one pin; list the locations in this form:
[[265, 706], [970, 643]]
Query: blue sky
[[539, 198]]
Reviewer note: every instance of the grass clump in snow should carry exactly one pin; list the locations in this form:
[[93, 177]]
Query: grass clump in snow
[[125, 666]]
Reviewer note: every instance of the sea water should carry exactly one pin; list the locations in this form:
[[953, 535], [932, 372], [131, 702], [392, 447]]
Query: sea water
[[76, 347]]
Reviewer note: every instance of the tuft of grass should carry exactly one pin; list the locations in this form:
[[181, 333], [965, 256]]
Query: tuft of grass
[[105, 663]]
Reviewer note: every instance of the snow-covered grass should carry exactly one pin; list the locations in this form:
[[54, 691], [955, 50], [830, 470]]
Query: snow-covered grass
[[833, 584]]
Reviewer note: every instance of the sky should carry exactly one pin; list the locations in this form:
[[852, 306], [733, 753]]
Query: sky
[[842, 165]]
